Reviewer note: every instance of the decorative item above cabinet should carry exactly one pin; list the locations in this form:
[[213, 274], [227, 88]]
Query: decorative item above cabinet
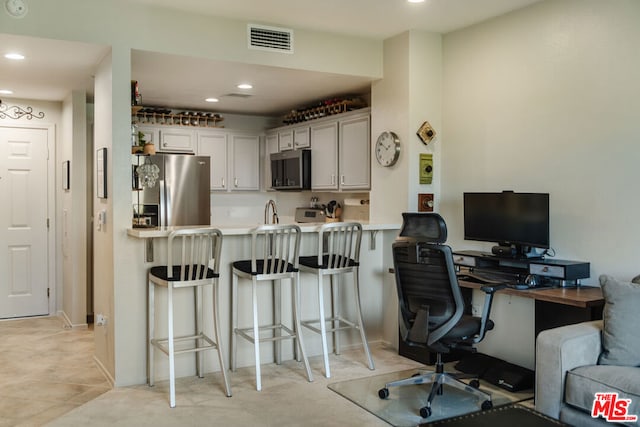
[[164, 116], [324, 108]]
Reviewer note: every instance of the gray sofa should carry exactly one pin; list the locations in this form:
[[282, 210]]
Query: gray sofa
[[568, 375]]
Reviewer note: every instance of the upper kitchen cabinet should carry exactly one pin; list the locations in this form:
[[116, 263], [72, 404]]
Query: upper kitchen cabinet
[[294, 138], [176, 140], [340, 153], [214, 145], [354, 153], [169, 140], [324, 156], [234, 157], [245, 162]]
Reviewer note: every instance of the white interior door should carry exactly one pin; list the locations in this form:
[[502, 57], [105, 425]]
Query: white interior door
[[23, 222]]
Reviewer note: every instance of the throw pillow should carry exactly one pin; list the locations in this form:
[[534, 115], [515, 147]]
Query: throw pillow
[[620, 335]]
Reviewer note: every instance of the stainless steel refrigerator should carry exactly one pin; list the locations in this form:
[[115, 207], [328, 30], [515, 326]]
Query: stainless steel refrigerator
[[180, 194]]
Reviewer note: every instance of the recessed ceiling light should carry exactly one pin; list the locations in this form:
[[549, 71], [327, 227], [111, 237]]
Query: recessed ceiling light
[[15, 56], [211, 100], [415, 1], [245, 86], [5, 92]]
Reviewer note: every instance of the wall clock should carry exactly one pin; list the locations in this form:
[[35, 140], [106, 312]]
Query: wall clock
[[387, 148], [16, 8]]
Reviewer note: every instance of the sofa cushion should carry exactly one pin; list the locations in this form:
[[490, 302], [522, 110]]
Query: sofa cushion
[[584, 382], [620, 337]]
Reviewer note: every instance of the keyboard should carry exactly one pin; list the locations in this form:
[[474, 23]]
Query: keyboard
[[489, 277], [512, 280]]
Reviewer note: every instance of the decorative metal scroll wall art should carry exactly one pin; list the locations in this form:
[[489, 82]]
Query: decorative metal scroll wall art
[[16, 112]]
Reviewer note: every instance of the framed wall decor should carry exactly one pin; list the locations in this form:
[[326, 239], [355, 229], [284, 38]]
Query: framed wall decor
[[101, 173], [66, 170]]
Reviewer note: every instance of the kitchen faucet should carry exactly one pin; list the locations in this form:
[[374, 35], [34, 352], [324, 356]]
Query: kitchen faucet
[[274, 218]]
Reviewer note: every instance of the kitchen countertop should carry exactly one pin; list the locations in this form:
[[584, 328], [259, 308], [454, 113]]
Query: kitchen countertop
[[243, 229]]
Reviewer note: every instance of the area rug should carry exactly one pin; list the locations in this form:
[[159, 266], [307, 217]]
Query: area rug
[[402, 407]]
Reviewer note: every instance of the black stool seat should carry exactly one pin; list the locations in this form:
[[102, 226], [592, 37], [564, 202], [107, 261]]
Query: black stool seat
[[336, 261], [245, 266], [191, 272]]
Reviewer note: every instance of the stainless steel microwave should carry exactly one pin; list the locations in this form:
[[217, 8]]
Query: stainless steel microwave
[[291, 170]]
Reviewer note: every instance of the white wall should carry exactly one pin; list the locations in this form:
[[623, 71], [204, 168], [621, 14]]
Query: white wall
[[409, 94], [74, 213], [547, 99]]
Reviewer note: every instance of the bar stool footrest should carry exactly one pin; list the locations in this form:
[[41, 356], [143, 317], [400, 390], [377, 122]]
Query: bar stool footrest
[[346, 325], [162, 344], [247, 333]]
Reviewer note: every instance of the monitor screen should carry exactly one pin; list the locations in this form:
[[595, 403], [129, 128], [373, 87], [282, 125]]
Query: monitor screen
[[507, 218]]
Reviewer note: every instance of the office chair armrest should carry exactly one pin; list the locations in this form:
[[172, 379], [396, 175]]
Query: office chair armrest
[[419, 332], [490, 289], [486, 311]]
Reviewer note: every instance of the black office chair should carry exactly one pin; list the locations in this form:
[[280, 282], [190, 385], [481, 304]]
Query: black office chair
[[432, 311]]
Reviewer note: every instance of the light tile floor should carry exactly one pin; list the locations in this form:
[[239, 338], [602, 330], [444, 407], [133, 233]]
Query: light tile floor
[[48, 377], [45, 370]]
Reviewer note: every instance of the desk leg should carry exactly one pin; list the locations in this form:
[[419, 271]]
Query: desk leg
[[552, 315]]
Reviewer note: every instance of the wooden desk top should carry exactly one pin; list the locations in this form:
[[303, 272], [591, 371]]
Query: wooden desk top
[[582, 296]]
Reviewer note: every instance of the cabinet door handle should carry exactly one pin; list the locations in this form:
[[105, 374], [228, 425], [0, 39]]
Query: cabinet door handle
[[341, 179], [235, 182], [333, 179], [222, 182]]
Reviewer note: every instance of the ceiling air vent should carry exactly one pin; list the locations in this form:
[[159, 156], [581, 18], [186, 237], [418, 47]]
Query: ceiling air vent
[[270, 38]]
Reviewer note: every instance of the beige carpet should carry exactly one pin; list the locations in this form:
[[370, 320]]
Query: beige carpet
[[287, 398]]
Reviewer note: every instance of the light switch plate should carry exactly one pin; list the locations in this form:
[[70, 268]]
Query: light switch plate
[[425, 202]]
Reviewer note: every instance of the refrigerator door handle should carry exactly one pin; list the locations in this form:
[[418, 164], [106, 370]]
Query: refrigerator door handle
[[163, 207]]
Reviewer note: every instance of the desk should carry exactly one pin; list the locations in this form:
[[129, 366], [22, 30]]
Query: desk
[[582, 296], [557, 306]]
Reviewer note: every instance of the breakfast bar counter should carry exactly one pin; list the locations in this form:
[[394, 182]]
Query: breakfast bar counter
[[375, 293]]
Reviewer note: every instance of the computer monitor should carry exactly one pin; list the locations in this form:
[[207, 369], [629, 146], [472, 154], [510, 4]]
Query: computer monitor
[[517, 222]]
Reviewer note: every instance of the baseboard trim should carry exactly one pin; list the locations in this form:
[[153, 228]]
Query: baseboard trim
[[68, 324], [104, 371]]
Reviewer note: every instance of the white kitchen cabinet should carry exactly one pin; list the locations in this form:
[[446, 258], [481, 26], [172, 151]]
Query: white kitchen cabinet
[[294, 138], [170, 140], [151, 135], [340, 154], [324, 156], [354, 153], [285, 140], [214, 145], [235, 163], [245, 162], [176, 140], [301, 137]]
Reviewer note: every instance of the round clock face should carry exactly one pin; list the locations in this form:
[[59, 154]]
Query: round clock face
[[387, 148], [16, 8]]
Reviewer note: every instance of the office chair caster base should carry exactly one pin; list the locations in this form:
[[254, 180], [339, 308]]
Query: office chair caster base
[[486, 405], [383, 393], [474, 383], [425, 412]]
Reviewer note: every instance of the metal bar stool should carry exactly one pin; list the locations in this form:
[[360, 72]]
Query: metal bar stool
[[338, 254], [274, 256], [196, 264]]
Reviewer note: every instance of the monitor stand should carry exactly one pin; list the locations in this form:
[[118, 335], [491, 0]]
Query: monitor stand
[[506, 250]]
